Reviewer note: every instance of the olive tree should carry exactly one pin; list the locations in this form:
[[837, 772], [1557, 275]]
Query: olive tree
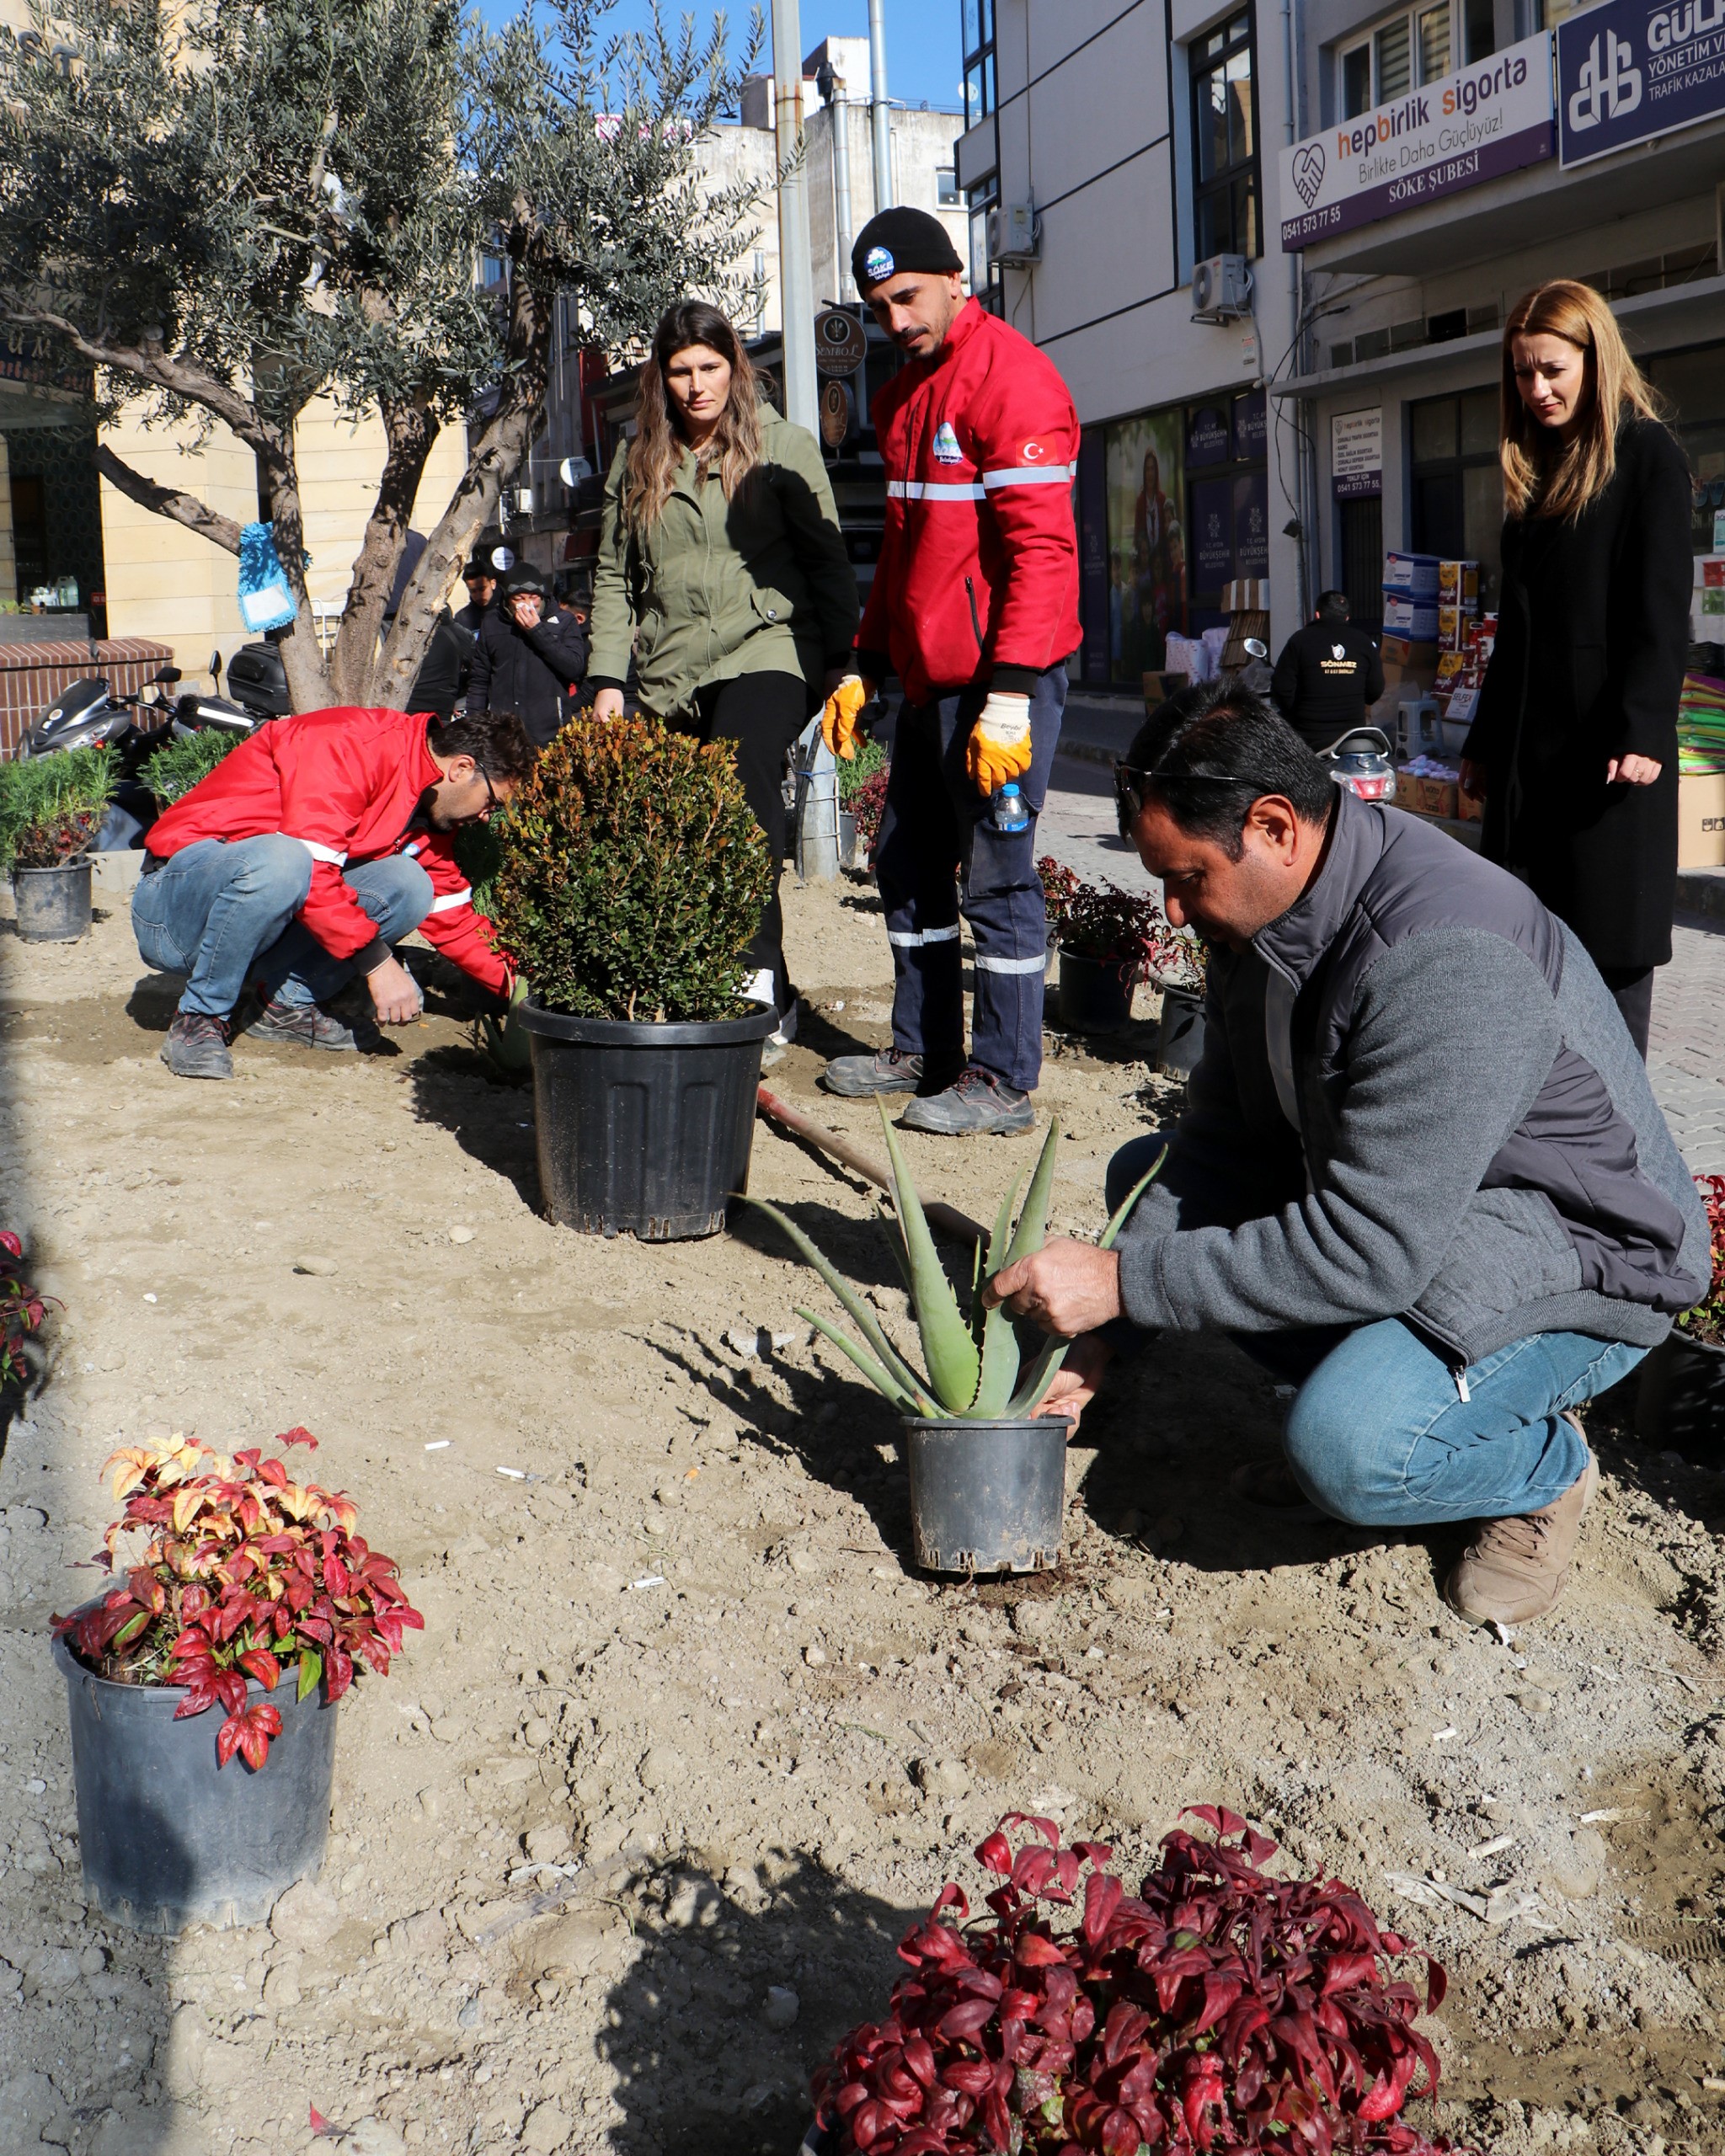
[[225, 209]]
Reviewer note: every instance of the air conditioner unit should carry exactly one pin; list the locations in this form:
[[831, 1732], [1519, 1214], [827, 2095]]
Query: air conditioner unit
[[1221, 289], [1014, 235]]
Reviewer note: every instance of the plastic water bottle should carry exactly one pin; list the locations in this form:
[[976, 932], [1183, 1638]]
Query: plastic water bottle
[[1010, 812]]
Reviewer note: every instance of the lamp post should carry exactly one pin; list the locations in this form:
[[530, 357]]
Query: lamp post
[[831, 86], [796, 271], [877, 112]]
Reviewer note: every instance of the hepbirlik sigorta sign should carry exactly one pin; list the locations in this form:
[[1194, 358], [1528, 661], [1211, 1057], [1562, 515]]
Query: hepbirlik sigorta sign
[[1491, 118]]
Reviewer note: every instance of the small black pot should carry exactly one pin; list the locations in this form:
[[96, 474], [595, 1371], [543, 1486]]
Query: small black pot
[[849, 857], [988, 1497], [1680, 1399], [1180, 1036], [167, 1838], [1094, 995], [52, 904], [643, 1130]]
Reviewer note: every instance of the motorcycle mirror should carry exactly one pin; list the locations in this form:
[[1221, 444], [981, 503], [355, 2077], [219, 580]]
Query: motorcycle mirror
[[1257, 648], [215, 665], [168, 674]]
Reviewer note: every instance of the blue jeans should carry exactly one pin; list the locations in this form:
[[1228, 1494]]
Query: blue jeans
[[933, 817], [1379, 1433], [224, 914]]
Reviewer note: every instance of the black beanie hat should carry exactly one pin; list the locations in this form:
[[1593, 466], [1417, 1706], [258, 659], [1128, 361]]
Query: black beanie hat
[[902, 238], [524, 577]]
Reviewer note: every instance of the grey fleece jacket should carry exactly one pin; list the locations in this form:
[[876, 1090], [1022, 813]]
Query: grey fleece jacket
[[1417, 1100]]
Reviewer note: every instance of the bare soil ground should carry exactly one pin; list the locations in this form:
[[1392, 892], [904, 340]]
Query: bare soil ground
[[681, 1638]]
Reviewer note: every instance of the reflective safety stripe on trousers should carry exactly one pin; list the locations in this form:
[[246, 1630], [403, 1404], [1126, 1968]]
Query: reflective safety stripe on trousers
[[1039, 965], [911, 939]]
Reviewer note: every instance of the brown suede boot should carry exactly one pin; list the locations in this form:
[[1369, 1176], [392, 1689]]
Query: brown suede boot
[[1513, 1570]]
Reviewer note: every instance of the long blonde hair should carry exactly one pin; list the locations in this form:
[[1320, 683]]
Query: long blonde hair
[[1543, 476], [658, 445]]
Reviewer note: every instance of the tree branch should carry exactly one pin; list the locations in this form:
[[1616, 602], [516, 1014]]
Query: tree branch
[[171, 502], [161, 369]]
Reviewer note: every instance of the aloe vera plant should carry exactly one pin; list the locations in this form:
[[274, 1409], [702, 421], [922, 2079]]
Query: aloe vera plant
[[975, 1371]]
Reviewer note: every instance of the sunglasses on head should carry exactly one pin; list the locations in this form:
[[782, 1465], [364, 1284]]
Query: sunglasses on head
[[1131, 783]]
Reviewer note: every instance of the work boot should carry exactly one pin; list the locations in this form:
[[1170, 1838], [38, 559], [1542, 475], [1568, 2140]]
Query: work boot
[[1268, 1485], [300, 1025], [196, 1046], [888, 1071], [1513, 1570], [976, 1102]]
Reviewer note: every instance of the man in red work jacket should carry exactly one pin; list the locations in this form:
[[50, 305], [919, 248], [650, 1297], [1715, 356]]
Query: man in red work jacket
[[975, 607], [304, 856]]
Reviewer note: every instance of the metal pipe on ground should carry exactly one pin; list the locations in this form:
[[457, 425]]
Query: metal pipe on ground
[[944, 1220]]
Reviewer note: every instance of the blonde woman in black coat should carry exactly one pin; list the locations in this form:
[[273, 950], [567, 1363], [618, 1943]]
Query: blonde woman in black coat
[[1574, 745]]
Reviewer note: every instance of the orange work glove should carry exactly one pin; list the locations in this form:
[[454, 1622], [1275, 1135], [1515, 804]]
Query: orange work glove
[[838, 721], [998, 747]]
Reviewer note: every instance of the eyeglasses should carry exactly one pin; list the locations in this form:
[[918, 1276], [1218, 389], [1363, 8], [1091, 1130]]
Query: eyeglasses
[[1129, 799], [492, 803]]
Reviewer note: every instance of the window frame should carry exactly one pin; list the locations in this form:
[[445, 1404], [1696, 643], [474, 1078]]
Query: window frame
[[1204, 56], [1366, 39], [979, 67]]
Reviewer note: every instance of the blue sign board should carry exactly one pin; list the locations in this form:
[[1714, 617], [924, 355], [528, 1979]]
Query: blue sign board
[[1629, 69]]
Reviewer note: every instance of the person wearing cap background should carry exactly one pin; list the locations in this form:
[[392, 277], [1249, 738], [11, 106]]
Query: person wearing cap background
[[491, 559], [975, 606], [530, 657]]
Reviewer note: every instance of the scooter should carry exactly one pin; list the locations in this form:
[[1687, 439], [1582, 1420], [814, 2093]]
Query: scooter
[[1360, 760]]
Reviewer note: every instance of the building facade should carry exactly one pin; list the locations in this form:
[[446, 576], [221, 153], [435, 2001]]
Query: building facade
[[1451, 156], [1110, 151]]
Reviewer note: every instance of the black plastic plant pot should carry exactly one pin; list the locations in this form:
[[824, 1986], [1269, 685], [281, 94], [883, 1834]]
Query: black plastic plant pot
[[1180, 1036], [167, 1838], [987, 1497], [1094, 995], [848, 841], [643, 1130], [53, 905], [1680, 1399]]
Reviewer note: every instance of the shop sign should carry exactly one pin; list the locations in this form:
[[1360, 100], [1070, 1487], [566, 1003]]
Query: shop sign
[[1249, 430], [1209, 437], [839, 341], [1251, 525], [1213, 534], [1491, 118], [1631, 69], [1357, 454]]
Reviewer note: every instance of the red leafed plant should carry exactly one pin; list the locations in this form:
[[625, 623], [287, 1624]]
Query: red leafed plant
[[1220, 2009], [22, 1310], [245, 1574], [1707, 1321]]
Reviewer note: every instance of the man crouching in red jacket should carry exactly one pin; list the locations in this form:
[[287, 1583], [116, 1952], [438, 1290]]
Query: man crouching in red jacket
[[304, 856]]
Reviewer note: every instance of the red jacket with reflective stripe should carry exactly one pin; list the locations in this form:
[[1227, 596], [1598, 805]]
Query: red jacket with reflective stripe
[[345, 783], [978, 576]]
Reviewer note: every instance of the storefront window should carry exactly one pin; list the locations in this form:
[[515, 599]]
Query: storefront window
[[1225, 142], [1692, 385], [1173, 505], [1458, 482]]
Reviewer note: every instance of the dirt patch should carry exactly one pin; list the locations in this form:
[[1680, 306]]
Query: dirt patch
[[681, 1642]]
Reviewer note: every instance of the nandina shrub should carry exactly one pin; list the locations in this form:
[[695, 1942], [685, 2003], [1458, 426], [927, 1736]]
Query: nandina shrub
[[867, 804], [1060, 887], [22, 1310], [631, 875], [1706, 1321], [245, 1574], [1128, 929], [1219, 2010]]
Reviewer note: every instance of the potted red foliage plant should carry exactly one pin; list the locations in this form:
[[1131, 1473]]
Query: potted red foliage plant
[[22, 1310], [1219, 2008], [1680, 1395], [1110, 940], [251, 1593]]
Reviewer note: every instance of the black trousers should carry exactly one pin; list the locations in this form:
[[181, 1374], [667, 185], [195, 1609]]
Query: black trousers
[[760, 715], [1633, 993]]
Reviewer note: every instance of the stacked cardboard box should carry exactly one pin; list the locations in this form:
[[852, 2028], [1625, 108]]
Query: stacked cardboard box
[[1410, 643]]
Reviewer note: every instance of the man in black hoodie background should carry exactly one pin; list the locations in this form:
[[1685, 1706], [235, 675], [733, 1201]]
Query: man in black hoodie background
[[530, 657]]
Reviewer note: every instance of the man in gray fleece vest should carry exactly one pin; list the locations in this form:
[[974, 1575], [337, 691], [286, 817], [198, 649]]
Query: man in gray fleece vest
[[1421, 1173]]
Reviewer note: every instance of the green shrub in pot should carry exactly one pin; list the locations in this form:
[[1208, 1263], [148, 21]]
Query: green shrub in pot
[[176, 767], [631, 875], [50, 806]]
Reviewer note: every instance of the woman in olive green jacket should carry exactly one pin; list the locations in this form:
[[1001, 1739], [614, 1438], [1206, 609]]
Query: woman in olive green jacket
[[721, 562]]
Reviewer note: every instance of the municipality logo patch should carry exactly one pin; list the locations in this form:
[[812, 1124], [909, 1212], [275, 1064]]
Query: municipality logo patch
[[1340, 650], [877, 263], [946, 445]]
